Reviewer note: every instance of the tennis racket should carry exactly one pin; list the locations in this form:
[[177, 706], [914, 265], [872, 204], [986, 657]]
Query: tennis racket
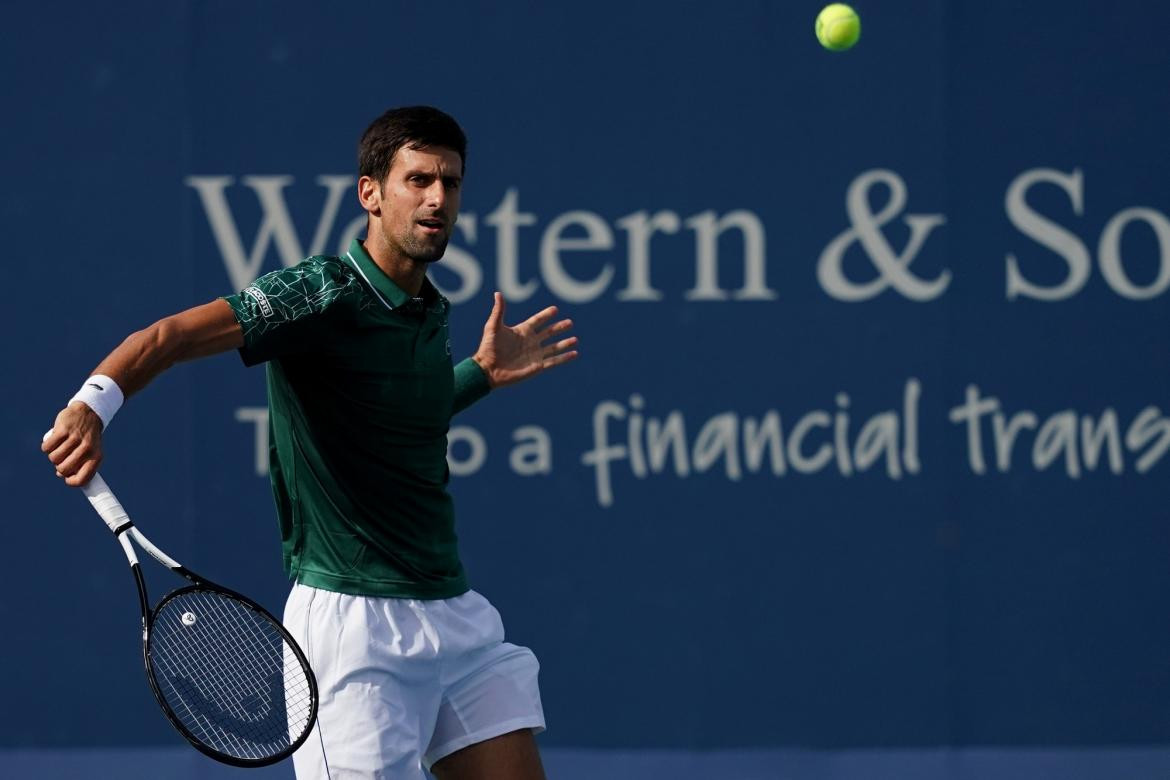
[[227, 674]]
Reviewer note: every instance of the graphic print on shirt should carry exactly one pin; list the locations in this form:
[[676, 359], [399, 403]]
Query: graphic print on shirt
[[294, 293]]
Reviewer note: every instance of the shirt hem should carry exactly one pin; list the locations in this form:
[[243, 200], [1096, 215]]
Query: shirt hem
[[380, 588]]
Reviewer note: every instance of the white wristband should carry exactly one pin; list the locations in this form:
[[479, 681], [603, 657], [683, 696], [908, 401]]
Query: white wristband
[[101, 394]]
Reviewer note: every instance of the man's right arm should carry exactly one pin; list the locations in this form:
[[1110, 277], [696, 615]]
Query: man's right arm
[[74, 446]]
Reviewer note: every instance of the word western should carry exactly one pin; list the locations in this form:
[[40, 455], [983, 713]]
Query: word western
[[581, 256]]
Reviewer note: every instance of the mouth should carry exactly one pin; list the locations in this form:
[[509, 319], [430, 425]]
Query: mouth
[[431, 225]]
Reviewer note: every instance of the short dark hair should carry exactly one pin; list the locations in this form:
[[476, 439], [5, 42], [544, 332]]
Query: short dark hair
[[415, 127]]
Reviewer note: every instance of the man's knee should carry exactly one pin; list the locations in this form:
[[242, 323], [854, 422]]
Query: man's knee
[[511, 756]]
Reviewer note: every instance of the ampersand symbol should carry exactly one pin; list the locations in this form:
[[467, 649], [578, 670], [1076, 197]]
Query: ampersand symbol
[[893, 269]]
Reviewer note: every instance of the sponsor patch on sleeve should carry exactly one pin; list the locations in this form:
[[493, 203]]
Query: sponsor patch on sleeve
[[256, 294]]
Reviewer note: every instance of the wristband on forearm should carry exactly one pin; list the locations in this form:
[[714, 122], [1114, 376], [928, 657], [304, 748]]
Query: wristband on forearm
[[101, 394]]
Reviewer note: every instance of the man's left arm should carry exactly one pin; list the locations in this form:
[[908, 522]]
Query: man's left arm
[[509, 354]]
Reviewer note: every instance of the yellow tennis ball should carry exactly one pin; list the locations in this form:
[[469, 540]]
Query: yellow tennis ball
[[838, 27]]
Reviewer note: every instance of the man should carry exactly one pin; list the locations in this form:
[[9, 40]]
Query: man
[[411, 664]]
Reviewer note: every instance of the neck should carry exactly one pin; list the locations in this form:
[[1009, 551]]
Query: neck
[[406, 272]]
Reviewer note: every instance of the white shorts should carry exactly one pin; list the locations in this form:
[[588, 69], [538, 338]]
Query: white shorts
[[405, 682]]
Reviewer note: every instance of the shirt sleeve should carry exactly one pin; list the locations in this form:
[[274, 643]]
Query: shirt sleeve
[[471, 384], [288, 311]]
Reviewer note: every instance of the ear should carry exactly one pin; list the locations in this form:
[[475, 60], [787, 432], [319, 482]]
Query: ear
[[370, 195]]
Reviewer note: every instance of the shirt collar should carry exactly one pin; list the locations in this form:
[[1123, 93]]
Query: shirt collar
[[384, 287]]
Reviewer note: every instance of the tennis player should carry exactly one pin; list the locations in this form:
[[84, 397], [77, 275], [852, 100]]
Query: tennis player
[[412, 666]]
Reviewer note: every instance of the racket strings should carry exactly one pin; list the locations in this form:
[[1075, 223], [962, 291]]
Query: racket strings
[[229, 724], [228, 675], [243, 702], [247, 685]]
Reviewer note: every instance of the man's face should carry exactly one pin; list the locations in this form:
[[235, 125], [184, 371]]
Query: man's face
[[419, 201]]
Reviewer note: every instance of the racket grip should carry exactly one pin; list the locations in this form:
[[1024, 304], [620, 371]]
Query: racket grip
[[102, 499]]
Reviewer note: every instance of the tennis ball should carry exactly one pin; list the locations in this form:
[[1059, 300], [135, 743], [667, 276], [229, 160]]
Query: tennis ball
[[838, 27]]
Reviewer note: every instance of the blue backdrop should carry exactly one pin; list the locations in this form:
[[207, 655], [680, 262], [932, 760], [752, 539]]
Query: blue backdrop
[[867, 446]]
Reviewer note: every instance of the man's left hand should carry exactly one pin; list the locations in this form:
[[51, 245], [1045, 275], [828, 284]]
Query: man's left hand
[[511, 354]]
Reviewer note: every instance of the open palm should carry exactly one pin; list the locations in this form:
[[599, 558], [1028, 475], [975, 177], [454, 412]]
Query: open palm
[[511, 354]]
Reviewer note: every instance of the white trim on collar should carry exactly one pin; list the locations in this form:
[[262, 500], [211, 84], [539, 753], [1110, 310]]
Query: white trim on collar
[[357, 267]]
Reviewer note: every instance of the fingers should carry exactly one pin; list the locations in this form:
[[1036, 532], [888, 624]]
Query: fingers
[[84, 474], [496, 318], [559, 347], [81, 458], [76, 460], [58, 446], [556, 330], [537, 321], [560, 359], [51, 440], [74, 445]]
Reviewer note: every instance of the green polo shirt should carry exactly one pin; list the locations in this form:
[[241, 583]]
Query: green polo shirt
[[361, 391]]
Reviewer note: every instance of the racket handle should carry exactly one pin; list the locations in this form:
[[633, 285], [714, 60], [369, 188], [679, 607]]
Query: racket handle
[[103, 501]]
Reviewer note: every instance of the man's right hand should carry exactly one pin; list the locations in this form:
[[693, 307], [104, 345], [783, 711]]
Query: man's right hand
[[75, 443], [74, 446]]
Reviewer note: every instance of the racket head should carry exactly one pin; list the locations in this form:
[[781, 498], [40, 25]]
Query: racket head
[[229, 677]]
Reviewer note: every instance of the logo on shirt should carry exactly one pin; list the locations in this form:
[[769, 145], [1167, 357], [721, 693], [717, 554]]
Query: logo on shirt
[[261, 299]]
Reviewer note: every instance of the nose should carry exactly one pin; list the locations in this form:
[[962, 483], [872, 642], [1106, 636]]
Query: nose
[[436, 195]]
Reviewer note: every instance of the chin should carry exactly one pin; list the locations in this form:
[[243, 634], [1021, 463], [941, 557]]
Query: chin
[[428, 254]]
